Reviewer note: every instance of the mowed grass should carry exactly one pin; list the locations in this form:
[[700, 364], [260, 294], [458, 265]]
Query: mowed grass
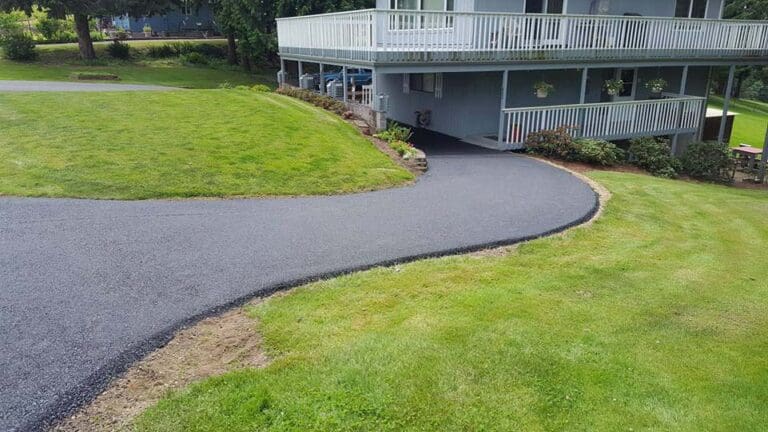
[[186, 143], [58, 63], [654, 318], [750, 123]]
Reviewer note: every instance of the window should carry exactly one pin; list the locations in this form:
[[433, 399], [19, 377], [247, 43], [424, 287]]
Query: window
[[691, 9], [544, 6], [423, 82], [412, 22]]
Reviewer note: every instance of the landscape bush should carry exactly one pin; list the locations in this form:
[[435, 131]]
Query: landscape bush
[[395, 132], [325, 102], [598, 152], [181, 49], [654, 155], [119, 50], [404, 149], [195, 58], [709, 161], [18, 46], [556, 143], [261, 88]]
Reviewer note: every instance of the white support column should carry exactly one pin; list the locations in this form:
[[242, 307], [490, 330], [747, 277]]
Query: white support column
[[722, 9], [502, 107], [764, 163], [565, 7], [583, 94], [681, 93], [345, 78], [726, 104], [281, 78], [700, 132], [301, 68], [322, 79]]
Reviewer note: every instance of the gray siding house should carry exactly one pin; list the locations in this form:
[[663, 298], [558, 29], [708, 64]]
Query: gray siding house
[[471, 68]]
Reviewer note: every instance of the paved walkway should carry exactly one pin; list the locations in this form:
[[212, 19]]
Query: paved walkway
[[87, 287], [64, 86]]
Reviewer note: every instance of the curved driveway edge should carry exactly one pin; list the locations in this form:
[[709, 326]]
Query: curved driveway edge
[[89, 287], [64, 86]]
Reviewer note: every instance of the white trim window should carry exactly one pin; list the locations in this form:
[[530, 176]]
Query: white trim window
[[416, 21]]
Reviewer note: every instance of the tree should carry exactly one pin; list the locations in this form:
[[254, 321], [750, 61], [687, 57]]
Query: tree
[[746, 9], [84, 10]]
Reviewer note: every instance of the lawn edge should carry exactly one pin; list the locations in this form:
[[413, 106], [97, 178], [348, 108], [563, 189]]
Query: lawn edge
[[99, 381]]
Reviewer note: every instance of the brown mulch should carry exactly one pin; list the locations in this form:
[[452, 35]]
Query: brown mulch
[[213, 346]]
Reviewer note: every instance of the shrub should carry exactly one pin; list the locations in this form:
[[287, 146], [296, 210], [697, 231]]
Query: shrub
[[598, 152], [195, 58], [709, 161], [19, 47], [226, 85], [209, 50], [261, 88], [395, 132], [556, 143], [119, 50], [654, 155], [402, 148], [325, 102], [161, 51]]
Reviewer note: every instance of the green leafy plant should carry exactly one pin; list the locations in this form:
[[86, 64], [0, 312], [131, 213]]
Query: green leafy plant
[[324, 102], [395, 132], [656, 85], [557, 143], [261, 88], [543, 88], [119, 50], [147, 28], [404, 149], [598, 152], [709, 161], [18, 46], [195, 58], [654, 155], [613, 86]]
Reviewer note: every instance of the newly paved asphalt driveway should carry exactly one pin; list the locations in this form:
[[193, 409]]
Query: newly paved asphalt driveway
[[86, 287]]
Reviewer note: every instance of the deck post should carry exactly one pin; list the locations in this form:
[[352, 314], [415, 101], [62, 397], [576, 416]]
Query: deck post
[[681, 93], [322, 79], [503, 106], [345, 78], [281, 82], [764, 160], [583, 94], [301, 69], [726, 104], [704, 108]]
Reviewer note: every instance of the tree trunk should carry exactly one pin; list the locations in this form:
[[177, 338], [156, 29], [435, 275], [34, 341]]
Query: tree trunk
[[84, 37], [245, 59], [231, 49]]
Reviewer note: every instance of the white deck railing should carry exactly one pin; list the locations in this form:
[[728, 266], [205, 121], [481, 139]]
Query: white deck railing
[[403, 36], [612, 120]]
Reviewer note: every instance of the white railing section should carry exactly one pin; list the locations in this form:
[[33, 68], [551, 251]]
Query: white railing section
[[401, 36], [612, 120]]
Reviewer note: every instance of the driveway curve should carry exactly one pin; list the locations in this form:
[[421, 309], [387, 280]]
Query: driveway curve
[[64, 86], [87, 287]]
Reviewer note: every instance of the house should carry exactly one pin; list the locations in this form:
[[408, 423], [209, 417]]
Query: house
[[492, 71], [184, 21]]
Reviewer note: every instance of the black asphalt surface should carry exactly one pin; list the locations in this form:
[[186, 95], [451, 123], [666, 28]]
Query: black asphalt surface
[[63, 86], [87, 287]]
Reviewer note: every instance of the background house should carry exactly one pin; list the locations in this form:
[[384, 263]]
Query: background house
[[182, 21]]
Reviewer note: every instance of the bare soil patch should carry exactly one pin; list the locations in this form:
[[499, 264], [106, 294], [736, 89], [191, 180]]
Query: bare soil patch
[[213, 346]]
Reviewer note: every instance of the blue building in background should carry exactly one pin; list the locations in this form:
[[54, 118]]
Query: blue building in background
[[183, 21]]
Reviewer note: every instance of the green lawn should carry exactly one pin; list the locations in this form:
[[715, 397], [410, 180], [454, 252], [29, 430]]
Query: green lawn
[[750, 123], [59, 62], [654, 318], [186, 143]]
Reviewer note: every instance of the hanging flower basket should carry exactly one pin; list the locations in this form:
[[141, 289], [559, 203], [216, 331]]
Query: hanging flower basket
[[613, 87], [543, 89], [656, 85]]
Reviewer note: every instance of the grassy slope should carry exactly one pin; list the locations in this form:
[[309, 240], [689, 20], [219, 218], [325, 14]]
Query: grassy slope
[[750, 123], [58, 62], [180, 144], [655, 318]]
